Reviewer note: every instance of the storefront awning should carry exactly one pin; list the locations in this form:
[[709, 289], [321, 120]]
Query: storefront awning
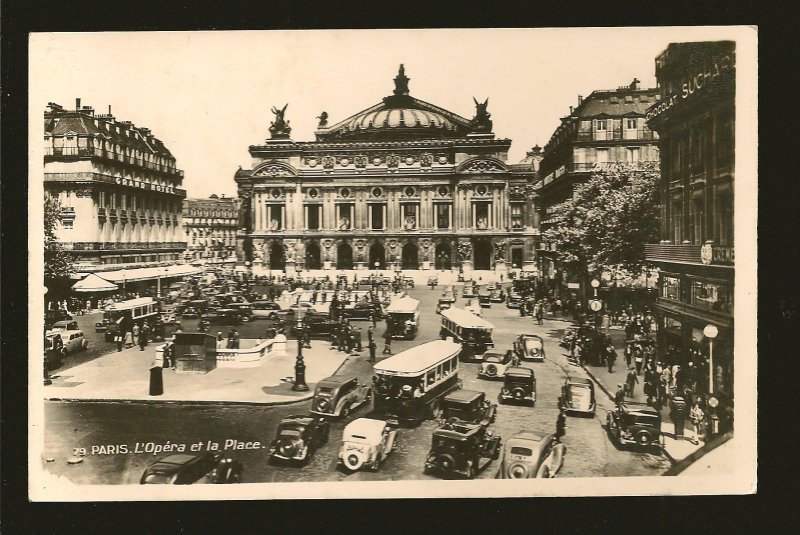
[[141, 274], [93, 283]]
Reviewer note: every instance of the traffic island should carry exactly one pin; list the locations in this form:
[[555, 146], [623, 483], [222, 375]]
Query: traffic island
[[125, 377]]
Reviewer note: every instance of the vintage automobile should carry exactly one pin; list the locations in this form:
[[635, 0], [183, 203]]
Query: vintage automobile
[[187, 469], [469, 406], [408, 282], [515, 300], [73, 340], [365, 442], [470, 290], [577, 396], [444, 304], [433, 281], [497, 296], [494, 365], [492, 286], [362, 310], [298, 438], [316, 325], [265, 310], [448, 294], [569, 335], [519, 386], [485, 300], [529, 347], [65, 325], [461, 449], [339, 395], [531, 454], [635, 423], [52, 316]]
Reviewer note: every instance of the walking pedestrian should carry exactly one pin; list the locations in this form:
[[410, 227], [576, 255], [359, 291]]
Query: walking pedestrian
[[630, 381], [697, 416], [611, 357], [372, 348], [619, 395], [387, 346], [145, 333], [539, 314], [638, 359], [165, 358]]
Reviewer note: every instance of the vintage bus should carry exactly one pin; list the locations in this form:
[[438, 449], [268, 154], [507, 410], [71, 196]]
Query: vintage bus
[[408, 386], [129, 312], [472, 332]]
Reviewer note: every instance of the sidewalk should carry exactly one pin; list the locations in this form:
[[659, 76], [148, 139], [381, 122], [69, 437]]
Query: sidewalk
[[125, 376], [676, 450]]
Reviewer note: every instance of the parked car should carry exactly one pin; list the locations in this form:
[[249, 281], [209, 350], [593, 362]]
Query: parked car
[[316, 325], [519, 385], [531, 454], [577, 396], [365, 442], [529, 347], [494, 365], [461, 449], [52, 316], [362, 311], [73, 341], [298, 438], [449, 295], [265, 310], [187, 469], [485, 300], [469, 406], [635, 423], [497, 296], [433, 281], [65, 325], [339, 395]]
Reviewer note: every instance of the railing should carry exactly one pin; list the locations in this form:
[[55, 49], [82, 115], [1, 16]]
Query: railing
[[617, 134], [121, 246], [243, 357], [85, 152]]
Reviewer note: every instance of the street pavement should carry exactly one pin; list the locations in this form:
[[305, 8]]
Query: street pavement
[[590, 453]]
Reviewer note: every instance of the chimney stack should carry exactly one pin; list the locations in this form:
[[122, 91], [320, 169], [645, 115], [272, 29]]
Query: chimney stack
[[109, 109], [570, 110], [78, 104], [580, 100]]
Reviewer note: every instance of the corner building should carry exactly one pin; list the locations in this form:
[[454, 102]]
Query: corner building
[[695, 120], [403, 183], [210, 226], [119, 190]]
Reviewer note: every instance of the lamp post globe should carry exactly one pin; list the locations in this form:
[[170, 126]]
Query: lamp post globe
[[710, 332]]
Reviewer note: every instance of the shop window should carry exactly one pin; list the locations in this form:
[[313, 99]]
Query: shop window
[[711, 296], [671, 288]]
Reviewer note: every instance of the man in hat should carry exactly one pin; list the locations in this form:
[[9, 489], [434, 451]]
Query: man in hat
[[619, 395]]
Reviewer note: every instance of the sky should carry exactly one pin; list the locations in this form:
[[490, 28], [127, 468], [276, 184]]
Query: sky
[[208, 95]]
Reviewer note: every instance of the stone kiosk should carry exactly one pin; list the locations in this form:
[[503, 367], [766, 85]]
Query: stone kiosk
[[403, 183], [195, 352]]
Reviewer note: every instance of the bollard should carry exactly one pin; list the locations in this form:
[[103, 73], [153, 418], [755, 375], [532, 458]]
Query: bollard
[[156, 381]]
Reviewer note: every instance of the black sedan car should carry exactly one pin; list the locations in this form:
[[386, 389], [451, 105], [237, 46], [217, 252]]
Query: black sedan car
[[186, 469], [362, 311], [298, 438]]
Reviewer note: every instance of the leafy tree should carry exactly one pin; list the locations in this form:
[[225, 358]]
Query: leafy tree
[[58, 264], [608, 220]]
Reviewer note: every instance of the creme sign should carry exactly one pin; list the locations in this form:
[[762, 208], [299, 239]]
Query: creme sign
[[713, 71], [133, 183]]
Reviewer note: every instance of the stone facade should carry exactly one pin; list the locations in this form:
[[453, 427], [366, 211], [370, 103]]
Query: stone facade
[[210, 228], [402, 183], [118, 187]]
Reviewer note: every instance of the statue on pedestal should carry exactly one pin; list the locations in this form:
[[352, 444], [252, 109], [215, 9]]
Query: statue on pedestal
[[279, 128]]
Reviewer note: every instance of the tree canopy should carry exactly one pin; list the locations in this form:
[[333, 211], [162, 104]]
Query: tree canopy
[[608, 220], [57, 262]]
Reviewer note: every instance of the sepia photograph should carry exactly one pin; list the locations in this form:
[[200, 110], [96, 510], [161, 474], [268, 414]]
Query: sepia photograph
[[392, 263]]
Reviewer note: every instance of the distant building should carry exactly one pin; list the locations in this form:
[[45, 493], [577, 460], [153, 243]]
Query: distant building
[[695, 119], [119, 189], [607, 128], [403, 183], [210, 228]]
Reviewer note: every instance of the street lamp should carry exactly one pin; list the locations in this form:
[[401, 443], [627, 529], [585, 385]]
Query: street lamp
[[299, 367], [710, 332], [595, 284], [47, 380]]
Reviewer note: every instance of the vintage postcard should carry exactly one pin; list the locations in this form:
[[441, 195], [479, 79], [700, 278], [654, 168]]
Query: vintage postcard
[[392, 263]]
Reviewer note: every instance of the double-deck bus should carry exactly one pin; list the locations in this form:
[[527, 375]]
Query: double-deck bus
[[408, 386], [130, 312], [472, 332]]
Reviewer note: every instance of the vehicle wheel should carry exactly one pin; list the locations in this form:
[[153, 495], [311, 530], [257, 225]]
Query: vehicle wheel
[[643, 438], [345, 411], [491, 370]]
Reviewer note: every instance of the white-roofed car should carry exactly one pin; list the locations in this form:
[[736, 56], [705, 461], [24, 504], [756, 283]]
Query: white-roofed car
[[529, 347], [494, 365], [365, 443], [531, 454]]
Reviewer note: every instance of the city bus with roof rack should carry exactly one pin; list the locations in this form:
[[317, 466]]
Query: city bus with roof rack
[[408, 386], [473, 332]]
